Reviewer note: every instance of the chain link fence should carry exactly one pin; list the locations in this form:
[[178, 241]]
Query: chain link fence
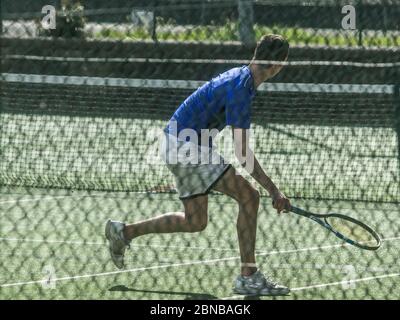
[[87, 88]]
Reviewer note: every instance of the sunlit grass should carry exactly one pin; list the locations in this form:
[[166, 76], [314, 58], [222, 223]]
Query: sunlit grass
[[228, 32]]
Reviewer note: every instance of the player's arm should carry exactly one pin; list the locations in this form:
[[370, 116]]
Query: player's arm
[[249, 161]]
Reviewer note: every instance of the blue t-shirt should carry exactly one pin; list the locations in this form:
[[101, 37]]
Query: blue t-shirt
[[223, 101]]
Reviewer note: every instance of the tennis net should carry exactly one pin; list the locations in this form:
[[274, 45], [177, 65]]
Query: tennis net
[[328, 141]]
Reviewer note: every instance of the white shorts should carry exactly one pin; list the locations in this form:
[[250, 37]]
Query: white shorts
[[196, 168]]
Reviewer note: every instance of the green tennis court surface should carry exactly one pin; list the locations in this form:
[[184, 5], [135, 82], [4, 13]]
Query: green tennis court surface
[[58, 235]]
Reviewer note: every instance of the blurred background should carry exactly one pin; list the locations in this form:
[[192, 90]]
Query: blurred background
[[301, 22]]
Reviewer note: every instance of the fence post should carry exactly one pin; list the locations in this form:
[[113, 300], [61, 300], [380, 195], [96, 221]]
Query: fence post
[[1, 70], [359, 20], [154, 27], [397, 117], [1, 43], [1, 24], [246, 22]]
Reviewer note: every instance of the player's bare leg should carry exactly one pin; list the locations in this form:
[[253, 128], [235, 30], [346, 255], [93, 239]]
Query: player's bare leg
[[193, 219], [248, 198], [251, 281]]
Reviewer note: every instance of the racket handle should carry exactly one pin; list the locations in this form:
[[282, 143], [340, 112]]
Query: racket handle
[[288, 208]]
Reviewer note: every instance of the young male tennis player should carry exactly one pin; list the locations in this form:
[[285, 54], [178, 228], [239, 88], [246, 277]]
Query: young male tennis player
[[223, 101]]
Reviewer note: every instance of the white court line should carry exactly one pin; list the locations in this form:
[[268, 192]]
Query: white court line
[[53, 241], [259, 252], [330, 284], [57, 197], [35, 199], [105, 243], [390, 239], [323, 285], [188, 263], [105, 194], [166, 246]]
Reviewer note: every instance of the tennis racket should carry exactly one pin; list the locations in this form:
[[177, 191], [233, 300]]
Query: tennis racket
[[344, 227]]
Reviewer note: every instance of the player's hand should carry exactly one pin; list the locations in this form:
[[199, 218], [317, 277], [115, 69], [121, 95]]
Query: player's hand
[[280, 202]]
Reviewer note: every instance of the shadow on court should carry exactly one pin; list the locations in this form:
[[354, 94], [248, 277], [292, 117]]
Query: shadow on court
[[188, 295]]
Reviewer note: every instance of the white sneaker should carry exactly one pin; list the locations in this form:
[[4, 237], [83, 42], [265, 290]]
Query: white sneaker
[[117, 242], [258, 284]]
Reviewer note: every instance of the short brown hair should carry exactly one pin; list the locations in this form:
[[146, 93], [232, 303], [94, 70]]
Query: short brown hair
[[271, 47]]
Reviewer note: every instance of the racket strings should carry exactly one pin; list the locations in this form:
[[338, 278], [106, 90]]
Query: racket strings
[[351, 230]]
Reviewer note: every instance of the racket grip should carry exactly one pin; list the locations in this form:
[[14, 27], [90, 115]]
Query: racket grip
[[288, 208]]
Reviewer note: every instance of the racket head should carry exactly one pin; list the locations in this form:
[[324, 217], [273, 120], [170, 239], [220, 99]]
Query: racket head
[[347, 228], [353, 231]]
